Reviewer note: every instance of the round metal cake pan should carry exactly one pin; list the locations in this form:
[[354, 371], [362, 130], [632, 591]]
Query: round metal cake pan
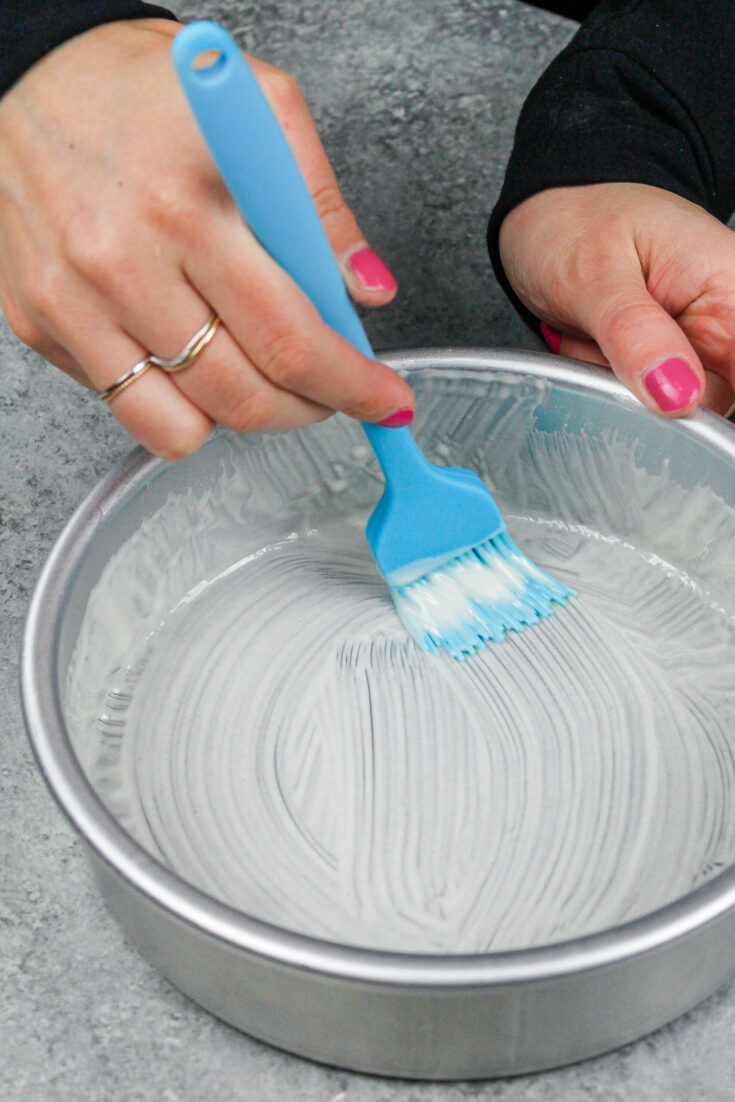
[[390, 1013]]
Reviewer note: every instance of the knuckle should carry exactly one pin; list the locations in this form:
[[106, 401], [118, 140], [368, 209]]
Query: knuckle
[[283, 90], [289, 361], [328, 201], [94, 249], [22, 325], [255, 412], [170, 209], [621, 320], [183, 441]]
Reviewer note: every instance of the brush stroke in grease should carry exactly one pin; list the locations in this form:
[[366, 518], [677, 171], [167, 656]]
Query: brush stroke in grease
[[264, 726]]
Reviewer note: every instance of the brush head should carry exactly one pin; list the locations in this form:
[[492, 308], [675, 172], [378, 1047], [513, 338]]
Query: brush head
[[476, 597]]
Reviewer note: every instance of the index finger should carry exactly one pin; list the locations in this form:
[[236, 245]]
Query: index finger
[[279, 329]]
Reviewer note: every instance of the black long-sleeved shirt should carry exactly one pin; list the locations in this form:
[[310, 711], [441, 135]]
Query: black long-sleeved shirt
[[29, 29], [644, 93]]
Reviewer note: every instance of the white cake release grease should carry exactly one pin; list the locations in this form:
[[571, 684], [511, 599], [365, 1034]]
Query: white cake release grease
[[247, 704]]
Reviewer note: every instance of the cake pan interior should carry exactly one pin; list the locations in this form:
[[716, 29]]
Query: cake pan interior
[[243, 700]]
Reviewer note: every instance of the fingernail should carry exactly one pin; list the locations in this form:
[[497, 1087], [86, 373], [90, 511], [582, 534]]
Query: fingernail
[[551, 336], [398, 420], [369, 270], [672, 385]]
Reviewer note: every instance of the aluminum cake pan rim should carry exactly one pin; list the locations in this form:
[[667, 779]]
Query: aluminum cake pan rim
[[164, 888]]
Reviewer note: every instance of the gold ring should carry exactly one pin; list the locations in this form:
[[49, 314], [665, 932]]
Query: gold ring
[[124, 381], [197, 344]]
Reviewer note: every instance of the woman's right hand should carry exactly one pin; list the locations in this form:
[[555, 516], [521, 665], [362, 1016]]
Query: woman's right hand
[[118, 239]]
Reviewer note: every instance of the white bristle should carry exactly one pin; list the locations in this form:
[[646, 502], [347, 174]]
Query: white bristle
[[477, 597]]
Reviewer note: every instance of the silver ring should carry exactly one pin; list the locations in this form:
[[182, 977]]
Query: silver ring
[[124, 381], [189, 353]]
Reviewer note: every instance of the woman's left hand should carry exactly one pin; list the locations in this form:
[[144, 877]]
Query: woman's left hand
[[634, 278]]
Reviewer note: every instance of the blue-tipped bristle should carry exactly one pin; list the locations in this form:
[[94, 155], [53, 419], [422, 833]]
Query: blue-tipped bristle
[[477, 597]]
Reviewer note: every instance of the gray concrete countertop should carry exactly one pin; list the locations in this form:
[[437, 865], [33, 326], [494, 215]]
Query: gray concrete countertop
[[416, 103]]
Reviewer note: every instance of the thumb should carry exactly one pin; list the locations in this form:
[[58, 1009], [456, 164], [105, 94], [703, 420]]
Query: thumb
[[644, 345], [368, 278]]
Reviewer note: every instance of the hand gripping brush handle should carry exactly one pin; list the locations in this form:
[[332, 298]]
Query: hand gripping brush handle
[[428, 515]]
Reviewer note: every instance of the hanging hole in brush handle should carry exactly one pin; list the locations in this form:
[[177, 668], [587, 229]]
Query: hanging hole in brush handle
[[207, 59], [256, 163]]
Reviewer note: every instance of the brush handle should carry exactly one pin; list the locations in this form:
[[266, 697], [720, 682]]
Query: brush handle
[[256, 163]]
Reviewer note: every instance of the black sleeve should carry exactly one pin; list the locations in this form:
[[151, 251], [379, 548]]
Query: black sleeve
[[644, 93], [572, 9], [31, 28]]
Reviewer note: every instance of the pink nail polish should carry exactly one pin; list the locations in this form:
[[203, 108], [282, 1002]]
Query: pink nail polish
[[398, 420], [551, 336], [672, 385], [371, 271]]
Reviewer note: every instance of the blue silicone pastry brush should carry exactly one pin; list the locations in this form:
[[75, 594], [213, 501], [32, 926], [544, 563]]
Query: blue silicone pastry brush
[[456, 577]]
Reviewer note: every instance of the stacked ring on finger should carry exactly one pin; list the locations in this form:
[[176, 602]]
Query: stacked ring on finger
[[189, 353], [186, 357], [124, 381]]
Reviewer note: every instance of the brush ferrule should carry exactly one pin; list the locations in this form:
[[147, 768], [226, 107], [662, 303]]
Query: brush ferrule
[[397, 450]]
